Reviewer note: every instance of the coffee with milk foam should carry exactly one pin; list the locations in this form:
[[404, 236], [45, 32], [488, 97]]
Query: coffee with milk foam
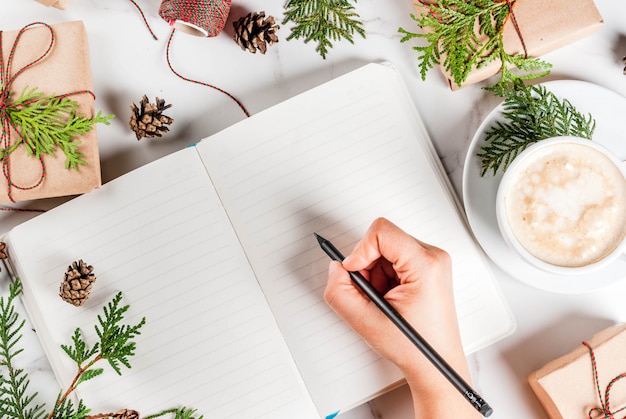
[[567, 205]]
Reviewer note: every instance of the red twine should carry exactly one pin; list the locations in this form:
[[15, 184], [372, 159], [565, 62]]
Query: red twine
[[207, 15], [167, 56], [605, 409], [145, 21], [511, 4], [7, 79]]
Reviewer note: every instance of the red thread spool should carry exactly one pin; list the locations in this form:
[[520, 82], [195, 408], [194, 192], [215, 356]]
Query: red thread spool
[[196, 17]]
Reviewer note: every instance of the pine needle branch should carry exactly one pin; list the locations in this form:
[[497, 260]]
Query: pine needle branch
[[116, 345], [323, 21], [46, 123], [115, 338], [65, 409], [452, 34], [179, 413], [531, 113], [15, 401]]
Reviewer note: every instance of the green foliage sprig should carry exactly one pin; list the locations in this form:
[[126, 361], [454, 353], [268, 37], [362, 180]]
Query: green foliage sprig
[[451, 33], [15, 400], [323, 21], [116, 345], [532, 113], [50, 122]]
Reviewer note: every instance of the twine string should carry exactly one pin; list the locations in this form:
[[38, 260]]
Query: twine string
[[511, 5], [169, 64], [208, 15], [6, 82], [5, 93], [605, 402], [145, 21]]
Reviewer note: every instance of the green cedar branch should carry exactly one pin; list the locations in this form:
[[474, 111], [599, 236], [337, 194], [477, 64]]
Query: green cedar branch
[[179, 413], [65, 409], [46, 123], [531, 113], [15, 401], [116, 345], [453, 34], [323, 21]]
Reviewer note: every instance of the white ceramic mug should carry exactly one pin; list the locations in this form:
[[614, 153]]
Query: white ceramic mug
[[561, 205]]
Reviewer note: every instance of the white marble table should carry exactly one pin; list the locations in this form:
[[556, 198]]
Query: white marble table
[[127, 63]]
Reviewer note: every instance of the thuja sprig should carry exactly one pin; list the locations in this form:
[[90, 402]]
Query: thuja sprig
[[531, 113], [15, 401], [115, 338], [452, 34], [46, 123], [323, 21], [115, 346], [180, 413], [64, 409]]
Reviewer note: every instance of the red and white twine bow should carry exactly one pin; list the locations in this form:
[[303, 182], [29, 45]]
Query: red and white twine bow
[[605, 403]]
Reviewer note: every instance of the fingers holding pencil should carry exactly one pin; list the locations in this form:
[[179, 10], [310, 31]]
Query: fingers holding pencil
[[408, 293]]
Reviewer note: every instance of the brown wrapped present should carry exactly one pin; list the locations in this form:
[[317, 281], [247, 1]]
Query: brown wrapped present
[[567, 387], [543, 27], [59, 4], [64, 71]]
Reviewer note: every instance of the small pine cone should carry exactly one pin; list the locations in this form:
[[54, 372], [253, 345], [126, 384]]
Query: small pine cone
[[3, 253], [126, 414], [77, 283], [254, 31], [148, 120]]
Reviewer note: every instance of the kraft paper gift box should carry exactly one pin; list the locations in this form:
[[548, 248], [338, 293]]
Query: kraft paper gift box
[[566, 386], [543, 25], [65, 69], [59, 4]]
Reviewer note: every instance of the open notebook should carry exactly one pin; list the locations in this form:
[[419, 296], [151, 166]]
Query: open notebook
[[214, 245]]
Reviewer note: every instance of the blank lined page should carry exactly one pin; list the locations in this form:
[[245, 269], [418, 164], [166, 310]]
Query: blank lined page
[[330, 161], [160, 236]]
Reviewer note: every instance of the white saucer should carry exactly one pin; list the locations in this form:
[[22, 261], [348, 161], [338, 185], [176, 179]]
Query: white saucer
[[479, 193]]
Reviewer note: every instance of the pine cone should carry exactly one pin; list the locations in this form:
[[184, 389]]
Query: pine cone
[[126, 414], [77, 284], [254, 31], [3, 253], [148, 120]]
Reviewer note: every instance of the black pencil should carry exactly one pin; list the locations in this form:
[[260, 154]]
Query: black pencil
[[428, 351]]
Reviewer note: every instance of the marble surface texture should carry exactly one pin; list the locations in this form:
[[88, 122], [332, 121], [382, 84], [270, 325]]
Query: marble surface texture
[[127, 63]]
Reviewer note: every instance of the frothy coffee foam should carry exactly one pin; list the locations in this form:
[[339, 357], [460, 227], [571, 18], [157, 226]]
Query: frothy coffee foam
[[567, 205]]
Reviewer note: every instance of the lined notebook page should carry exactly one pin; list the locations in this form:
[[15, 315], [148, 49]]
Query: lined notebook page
[[330, 161], [160, 236]]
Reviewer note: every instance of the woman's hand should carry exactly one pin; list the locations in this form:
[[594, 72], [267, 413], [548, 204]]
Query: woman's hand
[[416, 279]]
